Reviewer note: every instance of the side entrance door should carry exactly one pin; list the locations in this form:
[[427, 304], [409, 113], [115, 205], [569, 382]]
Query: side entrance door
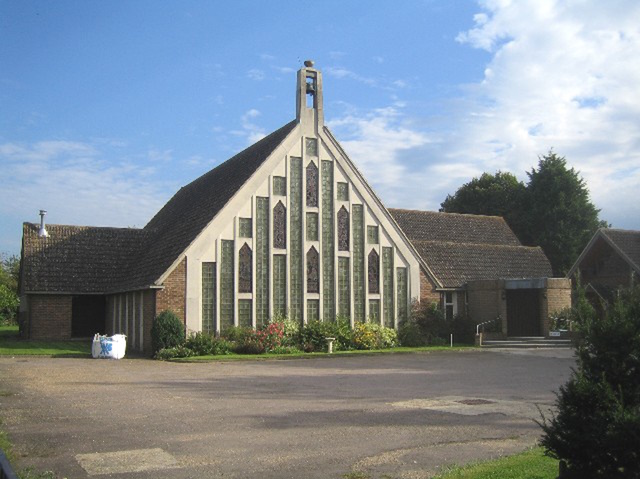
[[523, 312]]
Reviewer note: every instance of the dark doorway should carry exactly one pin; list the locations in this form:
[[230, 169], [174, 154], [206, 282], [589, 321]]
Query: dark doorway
[[87, 316], [523, 312]]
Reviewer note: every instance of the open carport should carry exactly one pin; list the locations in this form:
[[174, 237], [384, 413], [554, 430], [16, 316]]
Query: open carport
[[401, 415]]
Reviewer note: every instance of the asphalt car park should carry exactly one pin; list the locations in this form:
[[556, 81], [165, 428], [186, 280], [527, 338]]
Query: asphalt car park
[[391, 415]]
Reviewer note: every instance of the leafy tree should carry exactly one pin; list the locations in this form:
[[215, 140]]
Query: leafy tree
[[596, 430], [9, 272], [559, 215], [493, 195], [552, 211]]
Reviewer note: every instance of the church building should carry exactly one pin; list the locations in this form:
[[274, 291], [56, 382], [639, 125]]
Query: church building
[[288, 227]]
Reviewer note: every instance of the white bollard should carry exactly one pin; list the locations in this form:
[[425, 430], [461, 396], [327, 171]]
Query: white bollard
[[330, 344]]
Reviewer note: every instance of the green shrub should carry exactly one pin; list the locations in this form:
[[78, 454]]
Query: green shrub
[[167, 331], [596, 429], [463, 329], [410, 334], [560, 319], [203, 344], [365, 335], [387, 338], [238, 334], [285, 350], [312, 336], [174, 352]]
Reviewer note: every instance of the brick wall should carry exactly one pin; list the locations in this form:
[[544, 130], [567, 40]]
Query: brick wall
[[485, 301], [428, 291], [50, 316], [173, 296], [558, 296]]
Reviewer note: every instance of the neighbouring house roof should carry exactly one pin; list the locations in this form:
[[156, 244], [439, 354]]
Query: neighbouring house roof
[[455, 264], [76, 259], [459, 248], [625, 242], [85, 259], [454, 227]]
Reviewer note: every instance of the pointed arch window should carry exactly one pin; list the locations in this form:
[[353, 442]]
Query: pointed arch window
[[343, 229], [313, 275], [245, 269], [280, 226], [374, 272], [312, 185]]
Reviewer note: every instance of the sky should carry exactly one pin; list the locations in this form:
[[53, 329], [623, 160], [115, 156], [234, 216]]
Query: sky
[[108, 108]]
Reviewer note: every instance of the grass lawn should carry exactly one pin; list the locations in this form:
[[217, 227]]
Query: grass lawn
[[531, 464], [12, 345], [365, 352]]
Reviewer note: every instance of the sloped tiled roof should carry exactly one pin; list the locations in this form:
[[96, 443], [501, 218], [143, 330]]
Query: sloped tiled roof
[[454, 227], [455, 264], [178, 223], [627, 241], [84, 259], [77, 259], [459, 248]]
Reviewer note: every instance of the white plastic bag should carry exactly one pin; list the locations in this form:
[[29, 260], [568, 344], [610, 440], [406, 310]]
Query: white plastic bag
[[109, 347]]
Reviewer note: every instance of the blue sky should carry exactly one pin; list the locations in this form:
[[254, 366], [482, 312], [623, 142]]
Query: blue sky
[[107, 108]]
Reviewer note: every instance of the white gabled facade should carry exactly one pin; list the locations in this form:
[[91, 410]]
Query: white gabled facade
[[239, 271]]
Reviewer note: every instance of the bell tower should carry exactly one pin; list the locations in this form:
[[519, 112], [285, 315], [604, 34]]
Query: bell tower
[[309, 110]]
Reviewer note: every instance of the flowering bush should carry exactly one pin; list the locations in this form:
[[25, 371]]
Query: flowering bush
[[364, 335], [271, 336]]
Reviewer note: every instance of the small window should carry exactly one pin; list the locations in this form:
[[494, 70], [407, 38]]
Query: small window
[[343, 191], [279, 185], [372, 235], [450, 306], [311, 146], [312, 226], [245, 226]]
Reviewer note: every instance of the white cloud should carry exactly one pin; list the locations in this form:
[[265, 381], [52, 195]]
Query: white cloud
[[252, 131], [77, 184], [256, 74], [563, 75], [375, 142]]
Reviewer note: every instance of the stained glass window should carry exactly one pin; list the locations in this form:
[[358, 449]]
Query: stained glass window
[[372, 235], [244, 227], [245, 269], [245, 313], [279, 284], [387, 286], [312, 185], [262, 260], [344, 288], [312, 226], [295, 241], [402, 293], [279, 185], [374, 311], [208, 297], [312, 146], [358, 263], [374, 272], [328, 244], [227, 286], [343, 191], [313, 276], [280, 226], [313, 310], [343, 229]]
